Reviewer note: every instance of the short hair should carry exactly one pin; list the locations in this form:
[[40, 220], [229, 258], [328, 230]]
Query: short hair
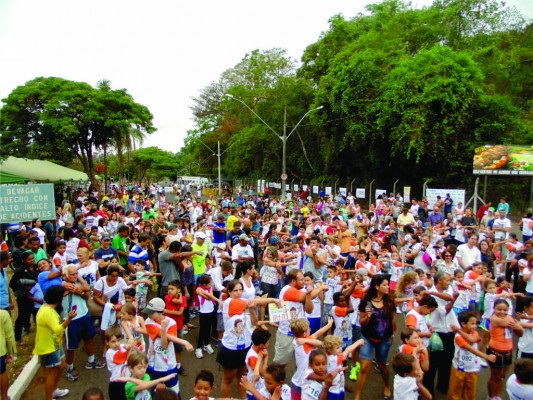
[[174, 246], [465, 316], [112, 269], [337, 296], [260, 336], [93, 392], [316, 353], [402, 363], [113, 331], [293, 274], [331, 342], [489, 282], [4, 255], [54, 294], [140, 261], [34, 239], [144, 237], [406, 333], [123, 228], [206, 376], [129, 309], [429, 301], [523, 369], [309, 274], [277, 372], [205, 279], [331, 267], [226, 265], [135, 357], [129, 292], [175, 283], [165, 394], [522, 303], [299, 326]]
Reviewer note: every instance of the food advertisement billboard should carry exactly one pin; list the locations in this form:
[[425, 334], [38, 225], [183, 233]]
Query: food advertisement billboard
[[504, 160]]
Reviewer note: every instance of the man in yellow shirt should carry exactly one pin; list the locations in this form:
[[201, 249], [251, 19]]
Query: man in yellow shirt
[[232, 219]]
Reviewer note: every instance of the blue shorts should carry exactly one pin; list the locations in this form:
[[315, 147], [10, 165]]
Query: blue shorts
[[53, 359], [381, 348], [336, 396], [160, 374], [79, 329], [314, 324]]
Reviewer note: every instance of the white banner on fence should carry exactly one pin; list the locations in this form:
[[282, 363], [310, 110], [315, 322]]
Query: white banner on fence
[[458, 195], [381, 192], [304, 187], [343, 191], [275, 185], [295, 188], [407, 194], [287, 187], [360, 193], [328, 190], [315, 189]]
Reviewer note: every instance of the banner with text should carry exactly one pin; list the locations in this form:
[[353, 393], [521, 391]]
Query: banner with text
[[457, 195], [19, 203], [504, 160]]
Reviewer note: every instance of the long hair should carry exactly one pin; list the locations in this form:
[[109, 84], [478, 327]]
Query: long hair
[[388, 300]]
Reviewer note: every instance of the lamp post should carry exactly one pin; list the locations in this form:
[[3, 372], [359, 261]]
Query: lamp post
[[283, 137]]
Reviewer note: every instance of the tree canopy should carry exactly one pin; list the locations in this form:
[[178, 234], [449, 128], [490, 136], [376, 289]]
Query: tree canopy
[[57, 119]]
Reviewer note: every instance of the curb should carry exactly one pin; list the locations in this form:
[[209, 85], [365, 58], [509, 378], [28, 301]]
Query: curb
[[17, 389]]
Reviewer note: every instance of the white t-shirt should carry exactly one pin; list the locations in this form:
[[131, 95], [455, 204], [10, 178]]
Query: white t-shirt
[[468, 255], [72, 249], [405, 387], [88, 273], [501, 223], [158, 358], [285, 392], [109, 291], [525, 343], [296, 309], [311, 389], [518, 391], [317, 309], [301, 354], [334, 362]]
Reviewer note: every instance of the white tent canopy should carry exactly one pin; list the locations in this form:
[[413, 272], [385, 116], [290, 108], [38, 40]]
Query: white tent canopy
[[40, 170]]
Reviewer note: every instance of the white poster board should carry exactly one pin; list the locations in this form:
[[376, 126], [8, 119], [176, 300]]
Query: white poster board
[[304, 187], [381, 192], [328, 190], [295, 188], [287, 187], [343, 191], [458, 195], [315, 189], [360, 193]]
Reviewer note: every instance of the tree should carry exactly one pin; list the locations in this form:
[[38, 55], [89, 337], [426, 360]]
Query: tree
[[53, 118], [155, 163]]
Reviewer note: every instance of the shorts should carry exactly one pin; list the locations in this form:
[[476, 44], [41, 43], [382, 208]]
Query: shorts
[[220, 323], [53, 359], [485, 324], [473, 306], [79, 329], [459, 310], [270, 290], [503, 359], [336, 396], [356, 333], [231, 359], [296, 392], [179, 348], [381, 348], [521, 354], [161, 374], [3, 363], [117, 390], [196, 277]]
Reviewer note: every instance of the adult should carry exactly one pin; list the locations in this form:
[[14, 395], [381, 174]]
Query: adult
[[19, 246], [503, 205], [242, 251], [448, 204], [49, 338], [6, 302], [139, 252], [36, 226], [468, 253], [81, 326], [315, 259], [487, 255], [48, 275], [87, 268], [36, 249], [232, 237], [22, 281], [436, 217], [377, 311], [448, 264], [199, 247], [104, 254], [170, 263], [244, 274], [237, 339], [405, 218], [442, 319], [299, 301], [119, 243]]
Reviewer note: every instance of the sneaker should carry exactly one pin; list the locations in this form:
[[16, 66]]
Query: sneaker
[[95, 364], [354, 371], [60, 393], [182, 371], [484, 364], [72, 375], [184, 331], [209, 349], [198, 353], [192, 315]]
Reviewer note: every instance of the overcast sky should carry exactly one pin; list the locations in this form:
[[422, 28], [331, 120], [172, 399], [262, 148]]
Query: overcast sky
[[164, 51]]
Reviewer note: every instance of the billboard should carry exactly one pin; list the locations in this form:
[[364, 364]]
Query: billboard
[[19, 203], [504, 160]]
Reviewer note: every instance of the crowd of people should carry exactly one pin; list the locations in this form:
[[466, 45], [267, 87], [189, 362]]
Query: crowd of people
[[329, 277]]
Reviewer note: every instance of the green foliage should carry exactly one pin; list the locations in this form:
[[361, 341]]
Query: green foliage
[[57, 119]]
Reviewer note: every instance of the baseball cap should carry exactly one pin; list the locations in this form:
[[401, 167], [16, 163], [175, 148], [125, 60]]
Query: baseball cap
[[154, 305], [362, 272], [491, 209], [244, 236], [221, 246], [106, 237], [200, 235]]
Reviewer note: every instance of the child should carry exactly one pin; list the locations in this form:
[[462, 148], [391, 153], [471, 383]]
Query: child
[[316, 381], [139, 382], [332, 282], [340, 312], [465, 364], [274, 384], [204, 385], [461, 303], [408, 379], [303, 344], [412, 344], [175, 305], [257, 359], [396, 270], [116, 357], [524, 311], [314, 317], [355, 299], [93, 393], [404, 290], [142, 282], [162, 333], [520, 384], [132, 324], [502, 326], [336, 357], [416, 318], [60, 258], [208, 316], [129, 297]]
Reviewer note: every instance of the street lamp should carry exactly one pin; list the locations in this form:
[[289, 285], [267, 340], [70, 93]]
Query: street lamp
[[283, 137]]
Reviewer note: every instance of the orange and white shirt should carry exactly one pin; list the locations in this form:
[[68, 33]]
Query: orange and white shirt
[[419, 323], [464, 360], [161, 359], [301, 354], [116, 362], [343, 326], [291, 296]]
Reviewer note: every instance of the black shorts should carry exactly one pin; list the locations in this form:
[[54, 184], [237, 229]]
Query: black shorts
[[503, 359], [270, 290], [231, 359], [3, 363]]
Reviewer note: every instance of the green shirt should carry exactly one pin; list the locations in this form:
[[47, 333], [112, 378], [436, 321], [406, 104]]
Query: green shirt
[[119, 243], [142, 395], [40, 255], [198, 262]]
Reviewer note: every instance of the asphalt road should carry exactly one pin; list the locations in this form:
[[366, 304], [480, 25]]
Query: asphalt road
[[100, 378]]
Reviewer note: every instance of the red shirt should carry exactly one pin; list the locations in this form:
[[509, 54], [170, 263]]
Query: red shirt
[[169, 305]]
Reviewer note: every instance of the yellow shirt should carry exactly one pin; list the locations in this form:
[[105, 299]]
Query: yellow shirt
[[49, 335], [7, 344], [231, 221]]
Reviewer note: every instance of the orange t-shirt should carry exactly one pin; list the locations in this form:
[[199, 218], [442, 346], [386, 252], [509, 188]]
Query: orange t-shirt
[[408, 349], [501, 338]]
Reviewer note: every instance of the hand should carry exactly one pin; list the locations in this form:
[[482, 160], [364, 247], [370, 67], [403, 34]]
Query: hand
[[360, 342], [330, 322], [246, 384], [255, 377], [276, 395], [328, 380], [164, 324], [188, 346], [368, 312], [10, 358], [491, 358], [72, 314]]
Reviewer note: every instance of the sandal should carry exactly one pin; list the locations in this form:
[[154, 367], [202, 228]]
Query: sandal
[[191, 326]]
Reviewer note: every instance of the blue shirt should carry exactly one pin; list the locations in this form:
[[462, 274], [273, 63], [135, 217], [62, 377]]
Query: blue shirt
[[45, 283], [4, 290], [217, 236], [138, 253]]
